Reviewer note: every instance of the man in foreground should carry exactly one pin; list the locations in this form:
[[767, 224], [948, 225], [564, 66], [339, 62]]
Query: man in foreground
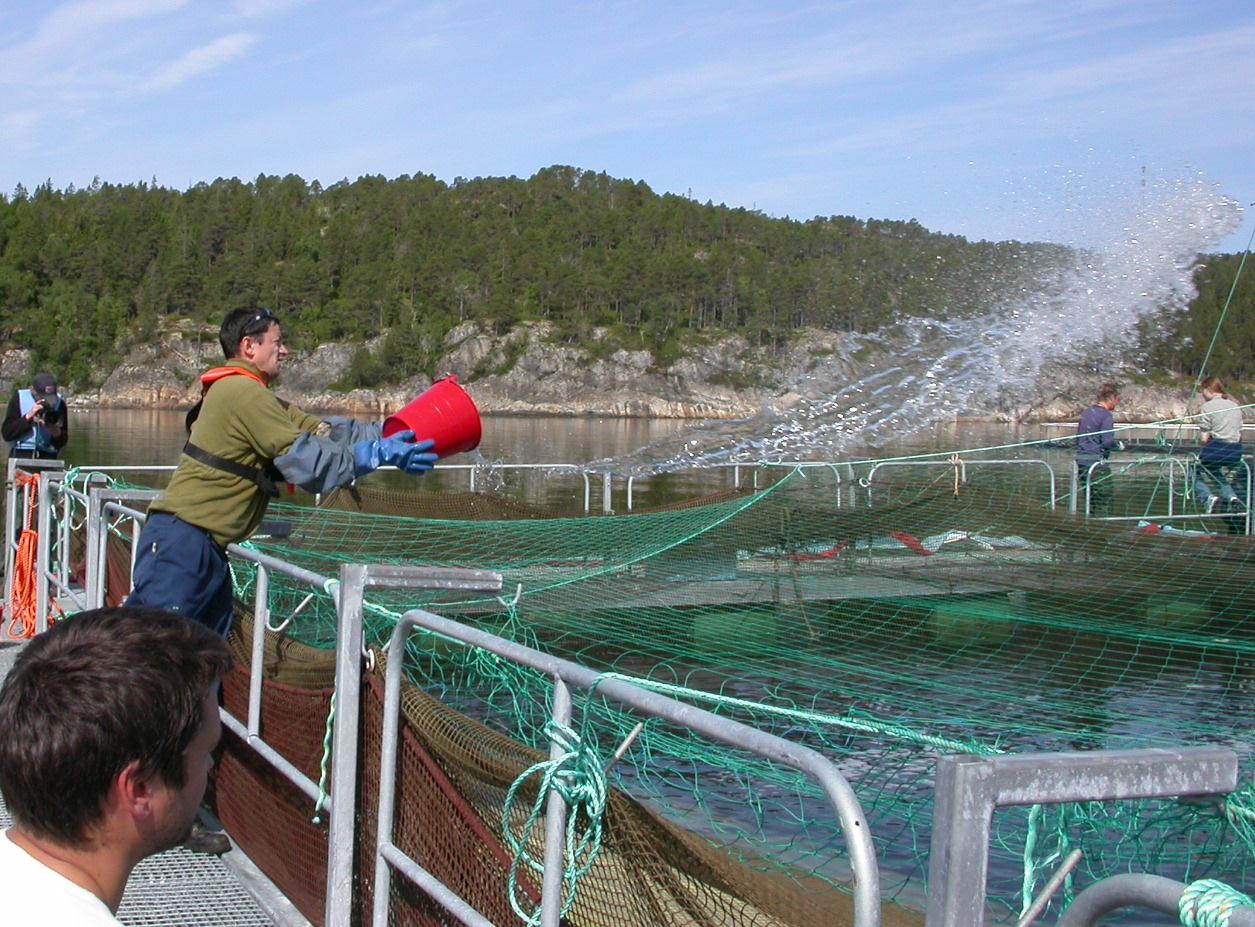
[[110, 720], [243, 443]]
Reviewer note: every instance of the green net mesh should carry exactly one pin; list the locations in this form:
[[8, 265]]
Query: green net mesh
[[883, 614]]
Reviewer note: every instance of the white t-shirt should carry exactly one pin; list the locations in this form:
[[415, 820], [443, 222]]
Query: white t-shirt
[[1222, 417], [32, 895]]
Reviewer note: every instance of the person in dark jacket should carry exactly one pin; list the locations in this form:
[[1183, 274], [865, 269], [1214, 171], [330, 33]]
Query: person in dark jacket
[[1095, 440], [35, 423]]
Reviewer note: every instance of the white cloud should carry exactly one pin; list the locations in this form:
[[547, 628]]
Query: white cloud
[[255, 9], [202, 60], [70, 24], [71, 37]]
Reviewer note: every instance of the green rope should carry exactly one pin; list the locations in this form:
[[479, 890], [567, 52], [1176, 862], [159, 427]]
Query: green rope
[[578, 776], [1031, 865], [325, 763], [1224, 311], [1209, 903], [858, 722]]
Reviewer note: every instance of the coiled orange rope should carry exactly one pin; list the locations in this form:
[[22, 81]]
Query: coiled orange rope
[[23, 604]]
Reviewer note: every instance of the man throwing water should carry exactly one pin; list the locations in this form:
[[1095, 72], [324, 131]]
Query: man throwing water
[[243, 443]]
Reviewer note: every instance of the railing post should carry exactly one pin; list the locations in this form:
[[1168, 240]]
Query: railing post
[[64, 532], [95, 547], [555, 820], [1246, 501], [607, 507], [10, 527], [348, 690], [261, 618], [969, 788], [43, 550]]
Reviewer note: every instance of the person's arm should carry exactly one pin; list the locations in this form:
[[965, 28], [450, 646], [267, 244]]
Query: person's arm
[[1205, 426], [320, 462], [322, 457], [341, 450], [60, 432], [1109, 441], [15, 425]]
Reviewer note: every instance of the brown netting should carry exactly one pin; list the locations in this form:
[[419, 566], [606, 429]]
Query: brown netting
[[435, 825], [264, 813]]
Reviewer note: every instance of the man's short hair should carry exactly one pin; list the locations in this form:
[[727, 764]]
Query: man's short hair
[[1107, 392], [97, 692], [242, 322]]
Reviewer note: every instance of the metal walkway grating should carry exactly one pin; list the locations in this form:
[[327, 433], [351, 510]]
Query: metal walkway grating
[[179, 888]]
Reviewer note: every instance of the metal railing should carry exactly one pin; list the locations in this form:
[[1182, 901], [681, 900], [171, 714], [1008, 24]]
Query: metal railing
[[107, 511], [1174, 467], [567, 676], [754, 469], [961, 465], [1138, 889], [473, 470], [969, 788]]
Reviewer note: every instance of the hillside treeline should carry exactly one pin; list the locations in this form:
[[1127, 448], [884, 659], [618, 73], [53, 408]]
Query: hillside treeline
[[1216, 335], [85, 273]]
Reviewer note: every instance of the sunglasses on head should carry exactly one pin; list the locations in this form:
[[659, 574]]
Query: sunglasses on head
[[259, 322]]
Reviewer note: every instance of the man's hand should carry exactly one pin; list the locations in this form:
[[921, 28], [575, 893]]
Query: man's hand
[[399, 450]]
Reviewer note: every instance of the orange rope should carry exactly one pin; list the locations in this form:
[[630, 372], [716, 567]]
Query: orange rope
[[23, 605]]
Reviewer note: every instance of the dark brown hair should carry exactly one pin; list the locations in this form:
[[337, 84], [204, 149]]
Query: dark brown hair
[[99, 691], [240, 323], [1107, 392]]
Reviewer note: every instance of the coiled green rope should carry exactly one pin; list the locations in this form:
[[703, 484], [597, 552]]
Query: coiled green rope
[[1208, 903], [579, 777]]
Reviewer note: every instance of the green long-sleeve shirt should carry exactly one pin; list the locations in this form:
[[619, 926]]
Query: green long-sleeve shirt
[[242, 421]]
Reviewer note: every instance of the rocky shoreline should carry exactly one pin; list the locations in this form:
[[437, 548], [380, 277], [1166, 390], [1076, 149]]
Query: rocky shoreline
[[725, 379]]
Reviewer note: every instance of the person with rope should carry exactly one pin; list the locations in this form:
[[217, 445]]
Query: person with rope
[[1095, 440], [243, 442], [96, 779], [35, 422], [1220, 434]]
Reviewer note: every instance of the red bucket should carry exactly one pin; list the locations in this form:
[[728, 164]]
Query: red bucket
[[445, 414]]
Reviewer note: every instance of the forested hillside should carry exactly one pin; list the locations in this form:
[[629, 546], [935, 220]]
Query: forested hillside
[[86, 273]]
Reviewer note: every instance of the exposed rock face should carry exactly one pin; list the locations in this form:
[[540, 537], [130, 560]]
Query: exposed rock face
[[528, 372], [160, 376]]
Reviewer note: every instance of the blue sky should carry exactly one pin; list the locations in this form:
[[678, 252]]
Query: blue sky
[[999, 119]]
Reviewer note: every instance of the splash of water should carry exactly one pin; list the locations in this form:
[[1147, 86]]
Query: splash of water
[[1082, 312]]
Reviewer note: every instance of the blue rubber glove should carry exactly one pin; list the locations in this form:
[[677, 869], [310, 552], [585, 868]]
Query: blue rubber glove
[[399, 451]]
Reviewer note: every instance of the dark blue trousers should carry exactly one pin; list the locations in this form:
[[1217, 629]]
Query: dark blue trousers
[[179, 567]]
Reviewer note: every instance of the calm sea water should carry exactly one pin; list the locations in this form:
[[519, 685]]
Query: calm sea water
[[148, 436], [145, 438]]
